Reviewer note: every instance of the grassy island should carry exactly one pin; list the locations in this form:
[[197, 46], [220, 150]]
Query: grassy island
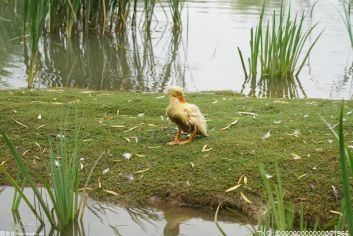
[[131, 130]]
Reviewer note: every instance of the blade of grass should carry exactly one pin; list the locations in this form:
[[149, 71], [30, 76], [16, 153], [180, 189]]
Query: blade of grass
[[344, 157], [27, 176]]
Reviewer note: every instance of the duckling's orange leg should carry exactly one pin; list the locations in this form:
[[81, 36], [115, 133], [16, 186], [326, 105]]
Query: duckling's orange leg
[[190, 139], [177, 138]]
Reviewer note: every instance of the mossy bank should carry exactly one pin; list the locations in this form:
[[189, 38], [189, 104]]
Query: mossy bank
[[243, 132]]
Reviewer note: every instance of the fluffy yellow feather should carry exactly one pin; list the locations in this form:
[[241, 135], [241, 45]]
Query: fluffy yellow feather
[[186, 116]]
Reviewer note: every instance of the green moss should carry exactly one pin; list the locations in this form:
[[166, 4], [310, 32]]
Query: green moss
[[113, 123]]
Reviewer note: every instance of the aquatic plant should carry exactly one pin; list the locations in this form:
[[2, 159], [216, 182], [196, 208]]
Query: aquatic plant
[[346, 17], [69, 16], [101, 16], [279, 216], [346, 161], [278, 46], [34, 14], [176, 7], [63, 191]]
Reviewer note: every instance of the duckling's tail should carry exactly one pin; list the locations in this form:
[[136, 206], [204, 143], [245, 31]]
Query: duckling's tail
[[201, 125]]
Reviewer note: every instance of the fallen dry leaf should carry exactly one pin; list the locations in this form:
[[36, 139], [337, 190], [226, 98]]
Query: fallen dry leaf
[[302, 176], [295, 156], [336, 212], [19, 123], [232, 188], [141, 171], [110, 192], [230, 125], [245, 180], [118, 126], [127, 139], [132, 128], [152, 147], [240, 178], [139, 155], [205, 149], [99, 183], [41, 126], [245, 198], [25, 152]]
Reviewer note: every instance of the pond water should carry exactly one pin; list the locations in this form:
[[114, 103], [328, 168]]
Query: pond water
[[107, 219], [203, 56]]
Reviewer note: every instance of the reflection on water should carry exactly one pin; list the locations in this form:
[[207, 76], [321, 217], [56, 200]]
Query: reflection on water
[[201, 57], [265, 87], [107, 219], [124, 61]]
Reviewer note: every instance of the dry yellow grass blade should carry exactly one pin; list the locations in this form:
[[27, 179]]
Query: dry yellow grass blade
[[84, 92], [295, 156], [240, 178], [118, 126], [110, 192], [336, 212], [99, 183], [41, 126], [132, 128], [139, 155], [302, 176], [152, 147], [245, 198], [19, 123], [232, 188], [141, 171], [25, 152], [38, 145], [87, 188], [127, 139], [230, 125], [205, 149], [192, 164]]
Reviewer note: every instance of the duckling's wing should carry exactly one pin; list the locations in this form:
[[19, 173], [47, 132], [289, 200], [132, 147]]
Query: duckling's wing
[[196, 118]]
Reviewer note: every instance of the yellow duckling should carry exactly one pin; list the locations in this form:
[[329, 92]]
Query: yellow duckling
[[188, 117]]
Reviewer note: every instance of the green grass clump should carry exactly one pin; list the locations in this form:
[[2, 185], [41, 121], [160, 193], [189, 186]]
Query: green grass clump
[[279, 216], [278, 46], [63, 189], [346, 161]]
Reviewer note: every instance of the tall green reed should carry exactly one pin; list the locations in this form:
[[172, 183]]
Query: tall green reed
[[62, 190], [176, 7], [35, 13], [346, 17], [279, 216], [149, 11], [346, 161], [278, 46]]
